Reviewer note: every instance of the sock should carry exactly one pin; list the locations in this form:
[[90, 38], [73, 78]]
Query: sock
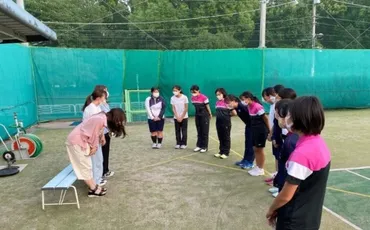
[[160, 140], [154, 139]]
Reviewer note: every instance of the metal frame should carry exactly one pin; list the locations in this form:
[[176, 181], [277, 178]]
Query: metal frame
[[63, 193], [129, 112], [20, 25]]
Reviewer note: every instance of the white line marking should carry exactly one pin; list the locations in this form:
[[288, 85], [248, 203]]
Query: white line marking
[[342, 218], [367, 178], [344, 169]]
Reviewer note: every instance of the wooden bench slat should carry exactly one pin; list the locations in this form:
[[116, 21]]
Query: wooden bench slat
[[58, 178], [68, 181]]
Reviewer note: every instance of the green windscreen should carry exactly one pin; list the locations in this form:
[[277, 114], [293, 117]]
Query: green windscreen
[[17, 87], [234, 70], [340, 78], [65, 77]]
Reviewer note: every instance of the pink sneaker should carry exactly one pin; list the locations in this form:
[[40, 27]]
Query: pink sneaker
[[269, 180]]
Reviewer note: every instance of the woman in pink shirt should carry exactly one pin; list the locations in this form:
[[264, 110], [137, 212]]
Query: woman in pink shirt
[[83, 141]]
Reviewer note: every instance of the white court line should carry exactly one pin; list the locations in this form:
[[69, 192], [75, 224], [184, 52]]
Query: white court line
[[342, 218], [344, 169], [367, 178]]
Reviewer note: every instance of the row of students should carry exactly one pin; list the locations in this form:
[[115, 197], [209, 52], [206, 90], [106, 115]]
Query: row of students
[[88, 143]]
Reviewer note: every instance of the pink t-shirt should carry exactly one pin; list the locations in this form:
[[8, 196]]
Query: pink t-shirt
[[87, 133], [311, 154]]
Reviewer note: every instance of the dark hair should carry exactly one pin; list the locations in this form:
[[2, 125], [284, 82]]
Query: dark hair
[[269, 91], [194, 88], [287, 93], [249, 95], [222, 91], [232, 97], [307, 115], [282, 107], [177, 87], [100, 87], [154, 89], [278, 88], [96, 94], [116, 121]]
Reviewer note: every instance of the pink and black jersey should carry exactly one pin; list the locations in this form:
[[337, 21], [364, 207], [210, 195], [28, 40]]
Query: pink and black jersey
[[223, 113], [308, 167], [200, 101], [256, 111]]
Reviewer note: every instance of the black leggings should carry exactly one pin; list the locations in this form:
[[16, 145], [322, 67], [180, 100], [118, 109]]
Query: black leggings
[[202, 123], [181, 131], [105, 150]]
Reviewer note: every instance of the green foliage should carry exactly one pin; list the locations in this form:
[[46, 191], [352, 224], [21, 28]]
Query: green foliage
[[208, 24]]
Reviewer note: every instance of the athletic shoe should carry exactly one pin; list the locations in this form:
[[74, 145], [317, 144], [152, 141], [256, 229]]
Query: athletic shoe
[[247, 165], [103, 182], [256, 171], [197, 149], [273, 190], [203, 150], [154, 146], [177, 146], [269, 180], [159, 146], [223, 156], [183, 147], [239, 163], [217, 155], [275, 194], [108, 174]]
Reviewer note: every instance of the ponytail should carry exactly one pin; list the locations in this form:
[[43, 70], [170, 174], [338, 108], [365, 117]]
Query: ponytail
[[249, 95], [255, 99], [88, 101]]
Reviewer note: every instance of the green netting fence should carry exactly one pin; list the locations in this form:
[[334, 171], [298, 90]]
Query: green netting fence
[[43, 84]]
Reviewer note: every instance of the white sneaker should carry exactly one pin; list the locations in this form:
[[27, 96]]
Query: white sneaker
[[183, 147], [273, 190], [217, 155], [197, 149], [108, 174], [177, 146], [223, 156], [256, 171], [275, 194], [203, 150], [154, 146], [159, 146], [103, 182]]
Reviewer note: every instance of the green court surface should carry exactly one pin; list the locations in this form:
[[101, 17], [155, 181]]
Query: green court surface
[[178, 189], [348, 195]]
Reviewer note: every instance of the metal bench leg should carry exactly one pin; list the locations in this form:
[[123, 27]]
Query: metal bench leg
[[43, 200], [77, 201], [63, 195]]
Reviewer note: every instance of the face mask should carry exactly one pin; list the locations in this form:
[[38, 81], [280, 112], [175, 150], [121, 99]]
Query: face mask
[[273, 99], [244, 103], [281, 124], [288, 125], [155, 95], [176, 93], [220, 97], [107, 94], [194, 94], [103, 102]]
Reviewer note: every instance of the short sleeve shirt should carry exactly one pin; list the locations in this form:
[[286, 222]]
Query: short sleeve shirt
[[179, 104], [200, 103]]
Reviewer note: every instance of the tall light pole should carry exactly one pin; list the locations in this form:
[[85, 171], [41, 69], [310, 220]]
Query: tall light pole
[[315, 2], [263, 24]]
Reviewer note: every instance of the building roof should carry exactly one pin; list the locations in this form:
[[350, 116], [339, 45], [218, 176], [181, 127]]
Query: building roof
[[17, 25]]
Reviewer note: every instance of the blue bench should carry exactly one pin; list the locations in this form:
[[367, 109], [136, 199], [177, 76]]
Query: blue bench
[[63, 181]]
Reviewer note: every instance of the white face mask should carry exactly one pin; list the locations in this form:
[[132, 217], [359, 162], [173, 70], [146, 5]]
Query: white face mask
[[176, 93], [287, 124], [194, 94], [273, 99], [155, 95], [244, 103], [220, 97]]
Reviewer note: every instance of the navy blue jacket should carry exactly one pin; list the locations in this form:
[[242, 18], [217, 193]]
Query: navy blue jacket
[[286, 149]]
